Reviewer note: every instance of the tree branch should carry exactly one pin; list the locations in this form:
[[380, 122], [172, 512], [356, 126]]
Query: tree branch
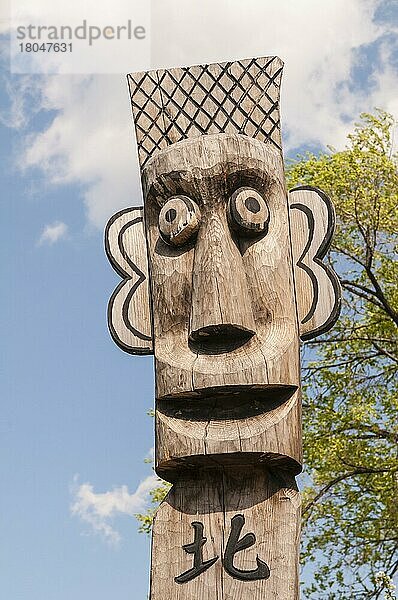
[[381, 297], [346, 253], [351, 337], [355, 359], [347, 286], [384, 351], [336, 480], [358, 285]]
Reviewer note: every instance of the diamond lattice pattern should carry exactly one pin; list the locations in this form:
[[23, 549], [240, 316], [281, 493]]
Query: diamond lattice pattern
[[233, 97]]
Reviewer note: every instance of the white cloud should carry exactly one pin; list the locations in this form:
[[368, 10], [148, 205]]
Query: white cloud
[[90, 140], [99, 509], [97, 35], [53, 233], [317, 41], [385, 82], [17, 114], [151, 454]]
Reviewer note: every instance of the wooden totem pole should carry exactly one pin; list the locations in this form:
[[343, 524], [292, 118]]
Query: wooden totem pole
[[222, 275]]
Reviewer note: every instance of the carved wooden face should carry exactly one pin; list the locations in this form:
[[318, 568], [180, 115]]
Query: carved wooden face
[[221, 272], [235, 268], [220, 285]]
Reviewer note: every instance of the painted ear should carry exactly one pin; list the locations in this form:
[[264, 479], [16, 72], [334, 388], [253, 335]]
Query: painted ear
[[318, 290], [129, 318]]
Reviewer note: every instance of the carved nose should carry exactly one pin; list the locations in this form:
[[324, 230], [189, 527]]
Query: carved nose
[[221, 305]]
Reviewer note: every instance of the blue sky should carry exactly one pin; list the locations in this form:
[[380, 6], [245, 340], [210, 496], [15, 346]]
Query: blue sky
[[74, 429]]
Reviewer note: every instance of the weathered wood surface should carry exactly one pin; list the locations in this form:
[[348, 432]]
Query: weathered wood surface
[[317, 286], [236, 277], [225, 308], [128, 310], [317, 289], [231, 97], [243, 430], [269, 503], [226, 349]]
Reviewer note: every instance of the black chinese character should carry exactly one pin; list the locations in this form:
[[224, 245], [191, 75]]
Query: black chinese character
[[235, 545], [196, 548]]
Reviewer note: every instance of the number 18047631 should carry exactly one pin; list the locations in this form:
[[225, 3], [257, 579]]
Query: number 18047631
[[45, 47]]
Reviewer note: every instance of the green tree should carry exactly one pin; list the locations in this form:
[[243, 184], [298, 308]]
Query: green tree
[[350, 531], [350, 376], [156, 495]]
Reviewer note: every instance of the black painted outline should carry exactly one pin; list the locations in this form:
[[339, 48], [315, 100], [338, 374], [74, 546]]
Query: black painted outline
[[318, 259], [315, 285], [185, 80], [126, 278]]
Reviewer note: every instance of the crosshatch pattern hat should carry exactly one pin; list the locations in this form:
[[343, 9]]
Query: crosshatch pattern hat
[[231, 97]]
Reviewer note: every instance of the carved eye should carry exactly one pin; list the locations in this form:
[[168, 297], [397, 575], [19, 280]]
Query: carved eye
[[248, 212], [179, 220]]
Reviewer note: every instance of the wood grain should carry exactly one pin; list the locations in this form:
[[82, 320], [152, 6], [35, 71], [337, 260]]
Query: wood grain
[[238, 289], [317, 287], [186, 102], [243, 428], [179, 220], [236, 275], [225, 329], [221, 305], [128, 310], [270, 504]]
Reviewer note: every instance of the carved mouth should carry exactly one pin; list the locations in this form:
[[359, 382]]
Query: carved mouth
[[229, 402]]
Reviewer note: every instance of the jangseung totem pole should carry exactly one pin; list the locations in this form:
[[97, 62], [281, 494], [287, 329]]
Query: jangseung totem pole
[[222, 274]]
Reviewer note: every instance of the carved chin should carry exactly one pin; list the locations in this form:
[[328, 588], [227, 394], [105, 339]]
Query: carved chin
[[248, 419]]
